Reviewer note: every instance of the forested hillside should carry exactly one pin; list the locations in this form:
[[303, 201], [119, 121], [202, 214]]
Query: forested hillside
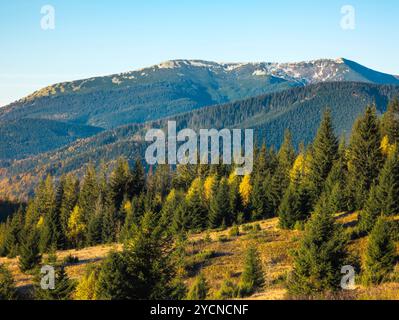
[[154, 214], [298, 110]]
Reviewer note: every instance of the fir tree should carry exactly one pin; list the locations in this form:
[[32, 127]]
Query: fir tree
[[220, 207], [94, 229], [320, 256], [380, 254], [7, 284], [252, 277], [138, 179], [30, 256], [88, 194], [390, 122], [199, 289], [64, 287], [365, 157], [324, 153], [50, 231]]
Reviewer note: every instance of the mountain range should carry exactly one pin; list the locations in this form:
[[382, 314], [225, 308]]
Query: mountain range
[[62, 127]]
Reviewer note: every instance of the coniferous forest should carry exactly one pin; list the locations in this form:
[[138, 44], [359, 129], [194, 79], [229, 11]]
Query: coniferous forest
[[337, 199]]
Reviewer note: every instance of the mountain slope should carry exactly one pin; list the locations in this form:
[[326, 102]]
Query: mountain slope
[[177, 86], [24, 137], [149, 94], [298, 109]]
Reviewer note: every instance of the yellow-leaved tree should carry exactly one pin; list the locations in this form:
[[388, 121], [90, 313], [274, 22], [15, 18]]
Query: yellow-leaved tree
[[76, 227], [209, 185], [245, 189], [386, 147]]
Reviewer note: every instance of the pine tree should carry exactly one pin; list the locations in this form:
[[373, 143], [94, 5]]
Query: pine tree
[[235, 200], [220, 207], [138, 179], [324, 153], [390, 122], [143, 270], [30, 256], [50, 231], [320, 256], [64, 287], [383, 199], [380, 253], [76, 227], [87, 286], [94, 229], [261, 203], [199, 289], [281, 176], [121, 182], [295, 206], [365, 157], [252, 277], [67, 197], [88, 194], [7, 284], [195, 208]]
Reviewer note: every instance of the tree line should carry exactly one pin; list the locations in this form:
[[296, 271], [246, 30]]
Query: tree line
[[151, 213]]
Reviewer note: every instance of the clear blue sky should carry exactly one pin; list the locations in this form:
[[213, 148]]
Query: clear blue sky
[[104, 37]]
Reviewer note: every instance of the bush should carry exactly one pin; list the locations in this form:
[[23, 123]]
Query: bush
[[70, 259], [7, 285], [234, 231], [199, 289], [228, 290]]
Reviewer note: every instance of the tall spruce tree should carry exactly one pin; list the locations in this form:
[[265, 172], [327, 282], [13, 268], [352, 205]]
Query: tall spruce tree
[[390, 122], [88, 195], [30, 256], [7, 284], [320, 256], [365, 156], [143, 270], [220, 207], [380, 254], [50, 230], [324, 153], [383, 198]]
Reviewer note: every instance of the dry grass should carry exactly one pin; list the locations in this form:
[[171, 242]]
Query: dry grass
[[227, 254]]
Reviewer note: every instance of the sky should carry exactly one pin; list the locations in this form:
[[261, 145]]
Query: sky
[[102, 37]]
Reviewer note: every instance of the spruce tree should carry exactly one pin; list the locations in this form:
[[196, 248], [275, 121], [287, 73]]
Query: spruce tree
[[295, 206], [138, 179], [199, 289], [68, 200], [121, 182], [383, 198], [252, 277], [380, 254], [220, 207], [50, 230], [320, 256], [365, 157], [390, 122], [7, 284], [324, 153], [261, 203], [94, 228], [195, 208], [143, 270], [64, 287], [30, 256], [88, 195]]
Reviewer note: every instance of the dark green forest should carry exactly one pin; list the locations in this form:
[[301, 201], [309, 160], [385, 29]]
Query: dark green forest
[[152, 212]]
